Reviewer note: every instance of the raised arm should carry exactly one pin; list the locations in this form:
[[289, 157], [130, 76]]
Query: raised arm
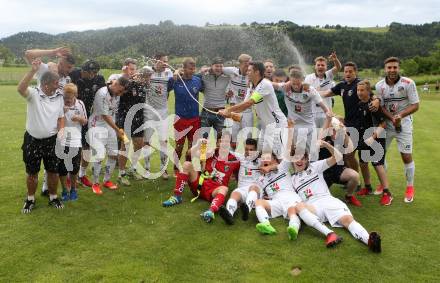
[[32, 54], [337, 64], [336, 155], [22, 87]]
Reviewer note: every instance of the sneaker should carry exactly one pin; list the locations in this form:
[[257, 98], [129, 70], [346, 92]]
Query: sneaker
[[386, 199], [379, 190], [226, 215], [207, 216], [73, 194], [364, 192], [96, 188], [332, 240], [56, 203], [28, 206], [45, 193], [136, 176], [85, 181], [123, 180], [266, 228], [130, 172], [110, 185], [409, 194], [352, 200], [292, 233], [65, 195], [173, 200], [244, 212], [374, 242], [165, 175]]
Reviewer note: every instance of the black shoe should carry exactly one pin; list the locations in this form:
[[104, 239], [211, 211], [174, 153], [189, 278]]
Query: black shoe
[[227, 217], [56, 203], [28, 206], [244, 212], [45, 193], [374, 242]]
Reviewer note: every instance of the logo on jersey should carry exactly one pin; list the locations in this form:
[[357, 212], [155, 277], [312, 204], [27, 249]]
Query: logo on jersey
[[275, 187], [307, 193], [350, 92], [248, 172], [400, 89]]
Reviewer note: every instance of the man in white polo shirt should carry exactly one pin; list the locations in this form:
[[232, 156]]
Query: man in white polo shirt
[[44, 120]]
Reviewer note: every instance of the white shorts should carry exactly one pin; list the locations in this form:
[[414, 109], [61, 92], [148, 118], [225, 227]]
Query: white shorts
[[247, 121], [320, 118], [244, 191], [103, 140], [303, 136], [282, 202], [158, 125], [404, 140], [273, 139], [330, 209]]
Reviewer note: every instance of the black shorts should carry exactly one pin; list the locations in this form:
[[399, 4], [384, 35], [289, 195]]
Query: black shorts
[[333, 175], [136, 124], [84, 142], [375, 160], [35, 150], [64, 167]]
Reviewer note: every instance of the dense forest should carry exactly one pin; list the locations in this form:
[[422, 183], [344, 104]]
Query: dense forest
[[270, 40]]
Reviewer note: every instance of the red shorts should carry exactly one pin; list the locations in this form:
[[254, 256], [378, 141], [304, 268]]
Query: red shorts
[[207, 189], [183, 125]]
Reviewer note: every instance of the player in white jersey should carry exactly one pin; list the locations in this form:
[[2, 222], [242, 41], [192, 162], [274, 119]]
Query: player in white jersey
[[262, 94], [280, 199], [399, 100], [63, 67], [247, 176], [238, 87], [158, 100], [300, 100], [310, 185], [322, 79], [103, 131], [75, 116]]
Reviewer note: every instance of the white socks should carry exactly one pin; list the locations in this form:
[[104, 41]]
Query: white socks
[[251, 199], [82, 171], [358, 232], [262, 214], [96, 171], [31, 197], [312, 220], [52, 197], [294, 222], [109, 168], [231, 206], [410, 169]]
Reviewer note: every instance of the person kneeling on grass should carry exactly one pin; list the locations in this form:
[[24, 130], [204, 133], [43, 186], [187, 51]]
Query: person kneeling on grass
[[211, 184], [283, 201], [247, 176], [310, 185], [75, 117]]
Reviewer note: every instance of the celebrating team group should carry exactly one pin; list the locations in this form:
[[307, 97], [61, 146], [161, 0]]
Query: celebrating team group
[[276, 135]]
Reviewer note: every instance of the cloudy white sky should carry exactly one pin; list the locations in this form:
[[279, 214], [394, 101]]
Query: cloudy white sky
[[61, 16]]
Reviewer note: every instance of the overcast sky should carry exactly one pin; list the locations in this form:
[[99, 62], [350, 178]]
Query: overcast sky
[[77, 15]]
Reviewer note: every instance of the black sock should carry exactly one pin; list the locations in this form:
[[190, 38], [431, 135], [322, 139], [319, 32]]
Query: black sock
[[386, 191], [368, 187]]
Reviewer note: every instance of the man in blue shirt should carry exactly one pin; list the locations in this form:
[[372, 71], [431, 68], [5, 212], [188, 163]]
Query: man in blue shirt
[[186, 107]]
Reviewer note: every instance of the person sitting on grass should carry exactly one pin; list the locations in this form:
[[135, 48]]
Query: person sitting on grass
[[247, 176], [75, 117], [310, 185], [282, 200], [211, 183]]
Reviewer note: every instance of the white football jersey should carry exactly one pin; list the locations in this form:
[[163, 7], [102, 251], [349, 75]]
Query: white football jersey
[[277, 181], [158, 97], [61, 82], [319, 84], [398, 97], [104, 104], [300, 105], [72, 130], [249, 170], [267, 108], [238, 84], [310, 184]]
